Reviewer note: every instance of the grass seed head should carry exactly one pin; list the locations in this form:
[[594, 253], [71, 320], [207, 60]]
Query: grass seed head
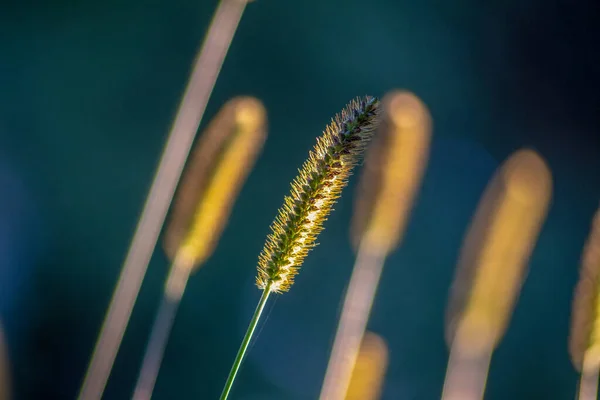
[[313, 193]]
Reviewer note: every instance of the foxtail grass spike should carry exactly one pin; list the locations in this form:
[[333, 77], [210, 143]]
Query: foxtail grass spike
[[313, 193], [491, 269], [181, 136], [218, 167], [369, 370], [394, 166], [584, 340]]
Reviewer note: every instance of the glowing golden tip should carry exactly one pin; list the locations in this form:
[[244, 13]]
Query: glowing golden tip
[[496, 251], [249, 113], [392, 175], [584, 340], [217, 169], [406, 110], [369, 370], [527, 176]]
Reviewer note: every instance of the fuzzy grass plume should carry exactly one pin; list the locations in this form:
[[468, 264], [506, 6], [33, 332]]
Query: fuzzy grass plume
[[314, 191], [300, 219], [584, 340]]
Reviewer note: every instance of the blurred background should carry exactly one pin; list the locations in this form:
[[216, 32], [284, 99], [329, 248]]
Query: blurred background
[[87, 94]]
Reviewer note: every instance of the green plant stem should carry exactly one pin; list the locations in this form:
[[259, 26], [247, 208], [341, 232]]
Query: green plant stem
[[244, 346]]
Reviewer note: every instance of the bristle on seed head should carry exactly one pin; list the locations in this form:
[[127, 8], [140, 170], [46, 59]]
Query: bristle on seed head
[[313, 193]]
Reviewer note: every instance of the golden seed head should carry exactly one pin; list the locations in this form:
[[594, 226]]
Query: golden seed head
[[585, 315], [369, 369], [496, 251], [313, 193], [394, 166], [218, 167]]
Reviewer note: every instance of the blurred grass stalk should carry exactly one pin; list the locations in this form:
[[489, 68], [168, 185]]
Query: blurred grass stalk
[[369, 370], [491, 269], [588, 383], [584, 340], [218, 167], [5, 384], [201, 83], [393, 171]]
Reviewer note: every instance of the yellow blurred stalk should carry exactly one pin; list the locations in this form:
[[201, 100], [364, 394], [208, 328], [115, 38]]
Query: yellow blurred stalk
[[181, 136], [369, 371], [220, 164], [584, 340], [491, 269], [393, 171]]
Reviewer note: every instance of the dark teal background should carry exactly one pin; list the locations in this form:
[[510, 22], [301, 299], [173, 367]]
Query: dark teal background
[[87, 94]]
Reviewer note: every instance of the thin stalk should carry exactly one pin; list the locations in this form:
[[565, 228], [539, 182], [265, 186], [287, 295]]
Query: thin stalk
[[5, 378], [588, 385], [191, 109], [159, 336], [466, 375], [244, 346], [353, 323]]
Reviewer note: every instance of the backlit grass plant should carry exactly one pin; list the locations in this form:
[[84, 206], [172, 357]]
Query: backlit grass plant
[[313, 193]]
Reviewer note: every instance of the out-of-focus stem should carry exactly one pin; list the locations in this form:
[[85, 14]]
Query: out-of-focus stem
[[159, 336], [5, 387], [588, 384], [466, 375], [353, 322], [201, 83]]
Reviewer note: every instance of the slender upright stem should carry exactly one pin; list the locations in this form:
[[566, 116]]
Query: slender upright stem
[[191, 109], [588, 385], [353, 323], [466, 374], [5, 387], [159, 336], [244, 346]]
